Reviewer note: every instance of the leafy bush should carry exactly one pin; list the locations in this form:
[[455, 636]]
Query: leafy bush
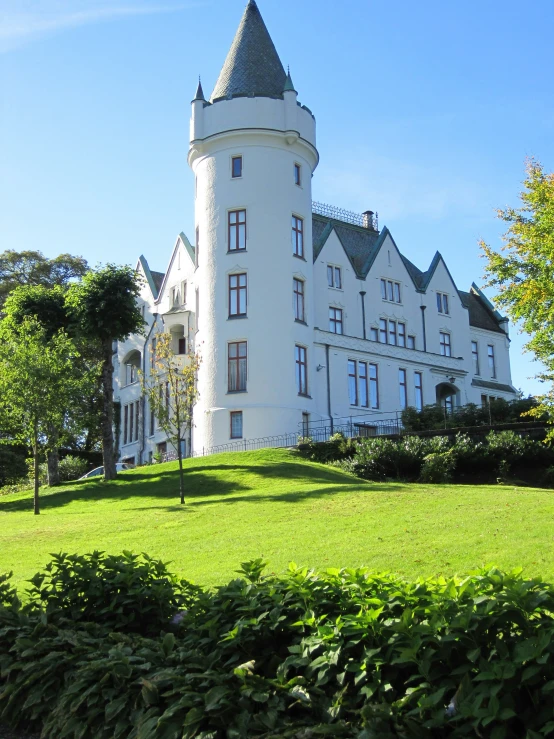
[[336, 448], [438, 467], [72, 468], [340, 653], [128, 592], [13, 467], [500, 411]]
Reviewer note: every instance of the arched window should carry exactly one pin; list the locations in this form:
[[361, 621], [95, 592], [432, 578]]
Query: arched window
[[131, 366]]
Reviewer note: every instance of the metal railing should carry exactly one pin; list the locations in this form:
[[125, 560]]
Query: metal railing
[[364, 425], [368, 219]]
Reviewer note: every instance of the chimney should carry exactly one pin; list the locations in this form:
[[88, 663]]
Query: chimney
[[368, 220]]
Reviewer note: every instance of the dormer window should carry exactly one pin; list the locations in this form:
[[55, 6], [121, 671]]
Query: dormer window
[[236, 167], [297, 175]]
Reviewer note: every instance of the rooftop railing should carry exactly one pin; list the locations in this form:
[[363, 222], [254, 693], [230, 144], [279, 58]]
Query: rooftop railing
[[369, 219]]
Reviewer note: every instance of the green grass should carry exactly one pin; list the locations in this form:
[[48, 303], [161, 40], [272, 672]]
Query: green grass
[[275, 505]]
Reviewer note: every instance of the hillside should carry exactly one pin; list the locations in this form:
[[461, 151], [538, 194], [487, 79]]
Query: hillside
[[275, 505]]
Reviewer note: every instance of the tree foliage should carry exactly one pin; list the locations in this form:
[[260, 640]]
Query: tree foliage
[[39, 381], [33, 268], [171, 391], [523, 270], [103, 308]]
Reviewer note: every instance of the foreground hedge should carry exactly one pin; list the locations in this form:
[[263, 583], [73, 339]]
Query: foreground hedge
[[340, 653]]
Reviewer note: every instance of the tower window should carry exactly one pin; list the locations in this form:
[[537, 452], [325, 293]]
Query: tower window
[[297, 236], [298, 293], [236, 424], [237, 295], [237, 367], [236, 167], [237, 230], [297, 175]]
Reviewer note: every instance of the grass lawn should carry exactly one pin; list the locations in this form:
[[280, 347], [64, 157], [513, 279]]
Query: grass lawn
[[275, 505]]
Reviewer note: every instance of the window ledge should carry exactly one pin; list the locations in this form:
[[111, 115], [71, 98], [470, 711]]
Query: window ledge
[[305, 395], [236, 438], [236, 392], [303, 323], [236, 251], [297, 256], [235, 318]]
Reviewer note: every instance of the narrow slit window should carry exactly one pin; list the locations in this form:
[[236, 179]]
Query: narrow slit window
[[297, 175], [236, 167]]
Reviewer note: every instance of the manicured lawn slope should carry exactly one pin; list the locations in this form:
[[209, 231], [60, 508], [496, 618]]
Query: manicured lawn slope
[[275, 505]]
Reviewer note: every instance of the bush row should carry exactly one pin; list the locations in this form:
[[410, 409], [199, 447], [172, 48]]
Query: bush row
[[439, 459], [118, 647], [497, 411]]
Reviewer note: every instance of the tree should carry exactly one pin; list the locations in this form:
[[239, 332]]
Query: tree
[[523, 270], [38, 382], [104, 309], [47, 305], [171, 391], [33, 268]]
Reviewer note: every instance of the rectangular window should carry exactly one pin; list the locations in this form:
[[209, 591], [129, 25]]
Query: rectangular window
[[182, 345], [175, 296], [335, 320], [402, 383], [392, 333], [411, 342], [352, 382], [131, 422], [446, 349], [236, 167], [237, 230], [297, 236], [301, 360], [492, 363], [298, 294], [152, 422], [484, 400], [418, 387], [297, 175], [383, 331], [442, 303], [357, 383], [401, 334], [237, 295], [373, 334], [305, 424], [373, 386], [125, 423], [390, 291], [184, 292], [236, 424], [237, 367], [475, 357], [334, 276], [137, 418]]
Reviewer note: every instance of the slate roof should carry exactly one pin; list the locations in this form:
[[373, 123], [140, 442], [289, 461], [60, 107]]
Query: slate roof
[[158, 278], [493, 386], [480, 316], [252, 66]]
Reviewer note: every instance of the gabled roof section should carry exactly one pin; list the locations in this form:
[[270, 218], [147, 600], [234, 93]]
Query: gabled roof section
[[361, 245], [154, 279], [252, 67], [481, 313], [190, 249]]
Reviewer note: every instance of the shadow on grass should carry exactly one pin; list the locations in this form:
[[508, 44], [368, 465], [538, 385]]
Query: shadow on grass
[[204, 485]]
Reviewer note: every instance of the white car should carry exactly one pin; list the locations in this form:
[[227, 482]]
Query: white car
[[120, 467]]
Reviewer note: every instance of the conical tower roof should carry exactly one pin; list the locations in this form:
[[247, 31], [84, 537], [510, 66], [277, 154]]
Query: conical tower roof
[[252, 66]]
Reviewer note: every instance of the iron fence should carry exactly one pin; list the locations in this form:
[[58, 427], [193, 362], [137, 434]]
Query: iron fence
[[366, 220]]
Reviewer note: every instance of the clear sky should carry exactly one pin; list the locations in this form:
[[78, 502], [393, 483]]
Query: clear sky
[[425, 112]]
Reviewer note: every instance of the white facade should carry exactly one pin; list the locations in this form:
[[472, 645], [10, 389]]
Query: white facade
[[285, 307]]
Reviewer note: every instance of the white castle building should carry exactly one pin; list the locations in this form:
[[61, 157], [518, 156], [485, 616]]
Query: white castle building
[[304, 315]]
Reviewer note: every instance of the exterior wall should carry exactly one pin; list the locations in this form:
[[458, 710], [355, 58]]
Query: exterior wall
[[266, 190]]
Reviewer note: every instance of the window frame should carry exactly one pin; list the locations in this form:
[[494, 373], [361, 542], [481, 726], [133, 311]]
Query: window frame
[[411, 342], [233, 414], [475, 358], [336, 320], [234, 230], [297, 236], [390, 289], [236, 158], [403, 387], [443, 303], [236, 292], [418, 390], [236, 360], [491, 357], [358, 382], [373, 383], [298, 174], [301, 369], [299, 299], [445, 344]]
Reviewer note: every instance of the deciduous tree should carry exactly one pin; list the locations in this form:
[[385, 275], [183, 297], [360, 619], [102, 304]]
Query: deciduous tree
[[171, 391], [103, 307], [523, 270]]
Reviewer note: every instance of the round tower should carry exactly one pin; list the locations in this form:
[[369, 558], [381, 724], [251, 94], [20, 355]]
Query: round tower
[[253, 153]]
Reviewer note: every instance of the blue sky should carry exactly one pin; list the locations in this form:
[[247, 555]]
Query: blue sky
[[425, 112]]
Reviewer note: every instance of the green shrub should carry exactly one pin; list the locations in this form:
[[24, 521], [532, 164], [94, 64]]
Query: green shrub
[[339, 653], [438, 467], [126, 591], [500, 411], [337, 447], [13, 467], [72, 468]]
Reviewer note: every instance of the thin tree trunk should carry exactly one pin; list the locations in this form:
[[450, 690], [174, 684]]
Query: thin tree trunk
[[181, 472], [36, 508], [108, 455], [53, 462]]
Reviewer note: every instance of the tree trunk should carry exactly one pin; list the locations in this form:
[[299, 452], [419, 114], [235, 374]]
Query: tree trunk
[[181, 472], [36, 508], [108, 455], [53, 461]]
